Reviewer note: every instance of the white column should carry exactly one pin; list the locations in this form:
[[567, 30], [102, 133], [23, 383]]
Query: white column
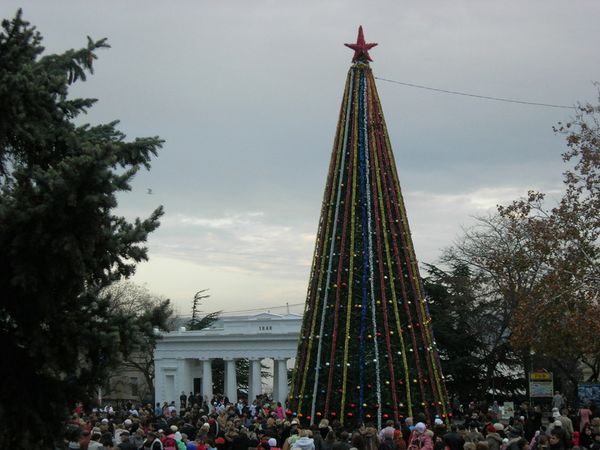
[[207, 382], [159, 383], [170, 386], [184, 382], [189, 382], [230, 380], [275, 379], [254, 381], [280, 386]]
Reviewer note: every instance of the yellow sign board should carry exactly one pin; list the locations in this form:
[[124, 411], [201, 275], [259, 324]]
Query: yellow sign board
[[540, 376], [541, 384]]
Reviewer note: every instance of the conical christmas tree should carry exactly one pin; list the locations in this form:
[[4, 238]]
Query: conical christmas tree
[[366, 350]]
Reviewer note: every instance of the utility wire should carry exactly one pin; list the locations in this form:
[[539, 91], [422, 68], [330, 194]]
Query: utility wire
[[264, 309], [499, 99], [268, 308]]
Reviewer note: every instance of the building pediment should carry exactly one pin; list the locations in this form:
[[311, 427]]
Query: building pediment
[[265, 316]]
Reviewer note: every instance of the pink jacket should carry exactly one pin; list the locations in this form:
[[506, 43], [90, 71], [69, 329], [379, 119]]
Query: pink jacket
[[420, 441], [280, 412]]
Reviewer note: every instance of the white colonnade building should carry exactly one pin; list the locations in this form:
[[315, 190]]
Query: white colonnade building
[[183, 359]]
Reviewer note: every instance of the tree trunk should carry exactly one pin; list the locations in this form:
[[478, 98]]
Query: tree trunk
[[527, 358]]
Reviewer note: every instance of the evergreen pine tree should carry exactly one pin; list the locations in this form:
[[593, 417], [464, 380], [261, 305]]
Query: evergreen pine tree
[[197, 321], [59, 240]]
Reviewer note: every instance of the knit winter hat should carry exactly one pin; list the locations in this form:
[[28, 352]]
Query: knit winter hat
[[420, 427], [388, 432], [324, 423], [305, 443], [272, 442]]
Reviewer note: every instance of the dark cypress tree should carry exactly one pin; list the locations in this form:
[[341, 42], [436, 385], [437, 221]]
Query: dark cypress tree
[[457, 313]]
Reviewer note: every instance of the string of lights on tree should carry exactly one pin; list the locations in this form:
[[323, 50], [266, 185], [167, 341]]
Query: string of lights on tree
[[366, 349]]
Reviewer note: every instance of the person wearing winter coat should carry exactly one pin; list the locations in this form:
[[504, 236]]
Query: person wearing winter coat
[[587, 437], [555, 442], [419, 439], [596, 442], [453, 441], [494, 440]]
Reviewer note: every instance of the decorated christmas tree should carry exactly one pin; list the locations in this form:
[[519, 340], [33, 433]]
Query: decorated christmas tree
[[366, 351]]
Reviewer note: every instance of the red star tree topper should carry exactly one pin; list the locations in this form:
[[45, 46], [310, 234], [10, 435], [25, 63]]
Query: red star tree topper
[[361, 48]]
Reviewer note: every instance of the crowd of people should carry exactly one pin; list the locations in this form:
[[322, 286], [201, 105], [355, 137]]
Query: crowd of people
[[201, 424]]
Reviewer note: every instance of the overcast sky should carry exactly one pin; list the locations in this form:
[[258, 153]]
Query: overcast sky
[[247, 93]]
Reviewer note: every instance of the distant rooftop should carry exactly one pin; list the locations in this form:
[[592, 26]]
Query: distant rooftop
[[240, 320]]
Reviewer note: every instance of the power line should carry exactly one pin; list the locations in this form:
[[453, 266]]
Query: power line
[[263, 309], [466, 94], [267, 308]]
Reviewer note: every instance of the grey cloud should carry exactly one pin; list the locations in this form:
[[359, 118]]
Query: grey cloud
[[247, 96]]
